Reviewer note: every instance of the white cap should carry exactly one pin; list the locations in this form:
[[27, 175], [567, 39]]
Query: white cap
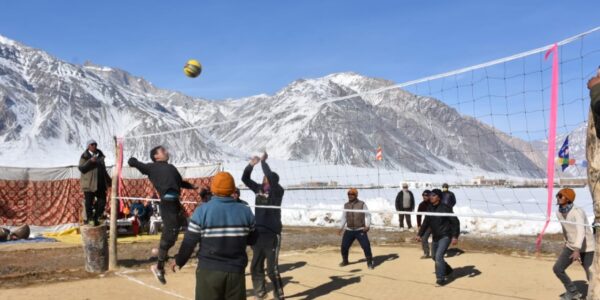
[[92, 141]]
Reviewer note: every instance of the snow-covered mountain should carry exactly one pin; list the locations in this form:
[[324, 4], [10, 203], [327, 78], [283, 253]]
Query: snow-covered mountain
[[49, 108]]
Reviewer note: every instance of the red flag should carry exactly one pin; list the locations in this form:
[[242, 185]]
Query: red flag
[[379, 155]]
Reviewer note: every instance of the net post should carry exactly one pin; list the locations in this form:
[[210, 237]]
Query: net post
[[593, 172], [112, 243]]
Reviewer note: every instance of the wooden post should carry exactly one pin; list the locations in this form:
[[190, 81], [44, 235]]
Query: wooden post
[[94, 248], [593, 158], [112, 244]]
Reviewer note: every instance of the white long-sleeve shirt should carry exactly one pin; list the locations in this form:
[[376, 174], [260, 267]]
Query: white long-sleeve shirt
[[577, 236], [343, 221]]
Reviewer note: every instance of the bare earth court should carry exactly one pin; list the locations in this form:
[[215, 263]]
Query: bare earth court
[[309, 267]]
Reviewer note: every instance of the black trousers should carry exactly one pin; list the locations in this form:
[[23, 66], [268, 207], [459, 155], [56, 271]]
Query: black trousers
[[219, 285], [94, 209], [363, 240], [173, 218], [563, 262], [407, 217], [266, 248]]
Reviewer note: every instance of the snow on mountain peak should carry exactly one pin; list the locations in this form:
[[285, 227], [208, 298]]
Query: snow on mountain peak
[[48, 101], [6, 41]]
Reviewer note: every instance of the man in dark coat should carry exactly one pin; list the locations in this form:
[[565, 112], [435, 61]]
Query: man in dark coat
[[445, 231], [94, 182], [268, 226], [405, 201], [448, 197]]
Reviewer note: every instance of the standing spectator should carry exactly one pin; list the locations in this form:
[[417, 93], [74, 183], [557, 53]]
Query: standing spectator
[[268, 225], [236, 196], [94, 182], [138, 210], [223, 227], [354, 226], [205, 194], [445, 231], [405, 201], [424, 206], [448, 197], [579, 242]]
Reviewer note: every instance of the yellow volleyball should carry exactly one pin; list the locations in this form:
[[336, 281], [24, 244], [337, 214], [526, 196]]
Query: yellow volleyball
[[192, 68]]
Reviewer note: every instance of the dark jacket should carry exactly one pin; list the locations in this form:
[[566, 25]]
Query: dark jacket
[[223, 227], [449, 199], [400, 199], [424, 206], [93, 174], [163, 175], [268, 220], [595, 106], [441, 226]]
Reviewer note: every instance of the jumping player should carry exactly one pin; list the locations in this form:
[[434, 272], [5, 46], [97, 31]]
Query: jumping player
[[168, 183]]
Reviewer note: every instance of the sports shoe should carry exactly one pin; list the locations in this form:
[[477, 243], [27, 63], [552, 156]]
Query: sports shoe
[[441, 282], [401, 229], [343, 264], [261, 295], [449, 270], [159, 274], [370, 265], [426, 257], [571, 296]]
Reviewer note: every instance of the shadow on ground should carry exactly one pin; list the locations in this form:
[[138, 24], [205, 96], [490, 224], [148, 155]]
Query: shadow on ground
[[336, 283], [291, 266], [378, 260], [466, 271], [454, 252]]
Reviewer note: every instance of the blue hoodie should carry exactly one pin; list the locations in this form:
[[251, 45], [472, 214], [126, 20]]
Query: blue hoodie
[[223, 227]]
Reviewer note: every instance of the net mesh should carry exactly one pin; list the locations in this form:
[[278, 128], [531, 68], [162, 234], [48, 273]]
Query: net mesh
[[482, 129]]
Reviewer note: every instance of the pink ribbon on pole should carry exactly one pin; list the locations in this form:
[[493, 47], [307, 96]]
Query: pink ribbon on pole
[[119, 166], [551, 140]]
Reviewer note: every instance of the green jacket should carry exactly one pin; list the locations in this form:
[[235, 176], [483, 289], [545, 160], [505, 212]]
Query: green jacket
[[92, 172], [595, 106]]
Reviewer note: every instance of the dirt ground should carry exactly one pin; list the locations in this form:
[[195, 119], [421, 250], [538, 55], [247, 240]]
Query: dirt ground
[[486, 268]]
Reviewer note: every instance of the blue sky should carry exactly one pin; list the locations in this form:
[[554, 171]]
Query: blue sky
[[252, 47]]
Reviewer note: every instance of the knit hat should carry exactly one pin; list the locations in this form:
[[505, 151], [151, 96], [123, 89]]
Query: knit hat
[[353, 191], [222, 184], [92, 141], [568, 193]]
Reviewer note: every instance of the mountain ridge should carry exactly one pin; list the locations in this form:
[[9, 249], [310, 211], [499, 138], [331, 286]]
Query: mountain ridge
[[44, 99]]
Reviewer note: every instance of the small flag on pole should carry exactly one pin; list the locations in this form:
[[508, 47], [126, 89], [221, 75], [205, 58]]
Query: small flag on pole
[[563, 154], [379, 155]]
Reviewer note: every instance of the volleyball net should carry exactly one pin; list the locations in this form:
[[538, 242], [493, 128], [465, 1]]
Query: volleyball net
[[504, 134]]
